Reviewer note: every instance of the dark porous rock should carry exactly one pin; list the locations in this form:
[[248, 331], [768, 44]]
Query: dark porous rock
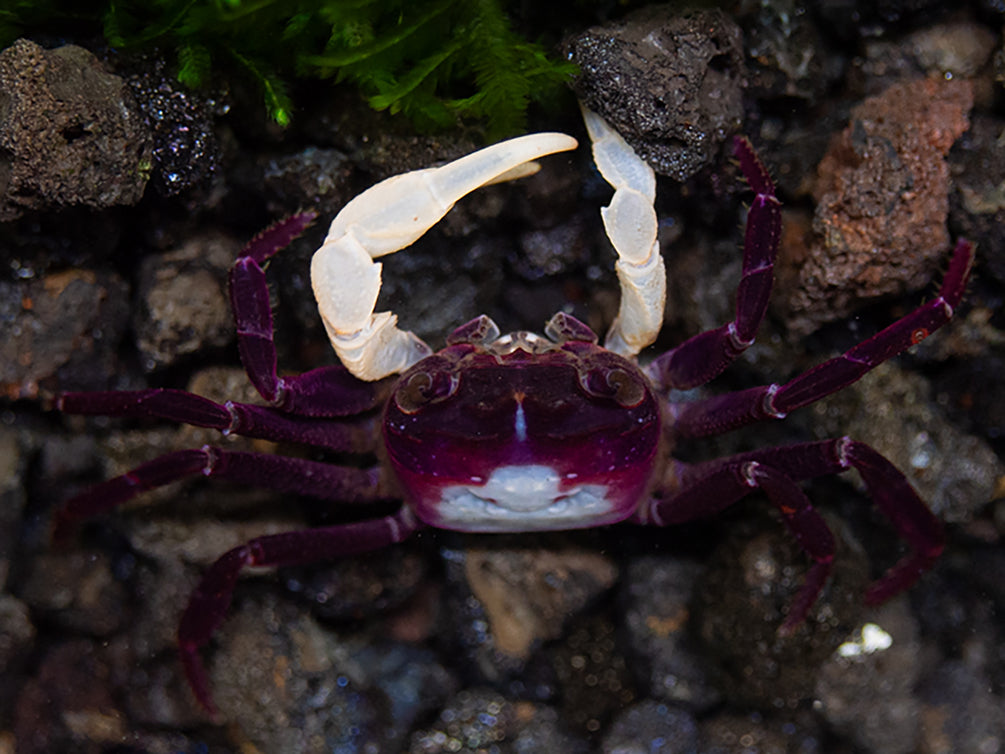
[[593, 674], [481, 720], [671, 83], [854, 19], [961, 712], [185, 149], [892, 411], [70, 132], [77, 589], [291, 686], [60, 332], [786, 52], [731, 733]]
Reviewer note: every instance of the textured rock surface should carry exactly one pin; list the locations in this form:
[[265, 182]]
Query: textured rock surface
[[69, 132], [671, 82]]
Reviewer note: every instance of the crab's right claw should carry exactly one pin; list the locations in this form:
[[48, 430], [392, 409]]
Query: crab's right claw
[[386, 218]]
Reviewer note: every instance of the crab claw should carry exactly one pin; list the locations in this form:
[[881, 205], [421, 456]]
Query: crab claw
[[386, 218], [630, 221]]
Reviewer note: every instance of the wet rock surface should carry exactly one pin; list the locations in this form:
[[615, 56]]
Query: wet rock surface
[[646, 640]]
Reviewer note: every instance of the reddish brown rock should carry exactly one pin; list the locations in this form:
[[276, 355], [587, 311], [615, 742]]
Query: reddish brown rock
[[882, 202]]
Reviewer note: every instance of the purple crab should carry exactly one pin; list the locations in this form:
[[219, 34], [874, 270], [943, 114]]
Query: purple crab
[[518, 432]]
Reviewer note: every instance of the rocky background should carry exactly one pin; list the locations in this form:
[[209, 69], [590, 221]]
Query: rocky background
[[123, 200]]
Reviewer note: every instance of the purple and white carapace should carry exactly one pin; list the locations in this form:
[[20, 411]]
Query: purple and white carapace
[[517, 432]]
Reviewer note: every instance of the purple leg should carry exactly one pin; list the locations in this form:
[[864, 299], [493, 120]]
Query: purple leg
[[701, 358], [208, 604], [281, 473], [344, 435], [327, 391], [725, 412], [709, 487]]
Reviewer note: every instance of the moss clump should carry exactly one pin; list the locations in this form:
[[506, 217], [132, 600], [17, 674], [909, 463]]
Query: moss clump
[[436, 61]]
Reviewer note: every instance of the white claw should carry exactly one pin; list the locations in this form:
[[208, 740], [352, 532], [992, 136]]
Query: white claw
[[630, 221], [386, 218]]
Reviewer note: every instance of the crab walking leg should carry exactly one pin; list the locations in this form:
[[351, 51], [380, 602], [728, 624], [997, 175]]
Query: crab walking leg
[[355, 435], [386, 218], [711, 486], [298, 476], [208, 605], [630, 221], [701, 358], [722, 413]]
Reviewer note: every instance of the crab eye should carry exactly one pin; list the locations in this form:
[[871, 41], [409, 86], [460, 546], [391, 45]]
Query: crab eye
[[422, 388], [617, 384]]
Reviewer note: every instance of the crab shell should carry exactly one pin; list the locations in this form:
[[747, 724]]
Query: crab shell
[[523, 432]]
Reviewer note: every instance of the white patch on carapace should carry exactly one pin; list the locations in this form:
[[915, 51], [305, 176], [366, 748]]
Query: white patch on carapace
[[520, 424], [524, 498]]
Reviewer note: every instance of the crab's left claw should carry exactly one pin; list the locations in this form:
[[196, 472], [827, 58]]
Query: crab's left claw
[[630, 221], [386, 218]]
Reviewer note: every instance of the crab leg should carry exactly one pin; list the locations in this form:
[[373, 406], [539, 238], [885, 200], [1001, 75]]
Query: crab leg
[[386, 218], [299, 476], [246, 419], [712, 486], [208, 605], [701, 358], [325, 391], [726, 412], [630, 221]]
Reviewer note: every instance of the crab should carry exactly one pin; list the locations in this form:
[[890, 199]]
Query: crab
[[519, 432]]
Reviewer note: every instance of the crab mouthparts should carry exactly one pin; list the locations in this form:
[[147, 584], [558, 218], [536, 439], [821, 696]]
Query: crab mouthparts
[[528, 497]]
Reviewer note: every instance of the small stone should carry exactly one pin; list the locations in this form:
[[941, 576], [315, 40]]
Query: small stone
[[657, 617], [185, 301], [78, 590]]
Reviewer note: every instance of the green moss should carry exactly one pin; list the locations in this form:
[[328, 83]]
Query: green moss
[[435, 61]]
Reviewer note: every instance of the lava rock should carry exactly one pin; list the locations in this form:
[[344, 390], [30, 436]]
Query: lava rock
[[70, 132], [671, 83], [185, 149], [882, 201]]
